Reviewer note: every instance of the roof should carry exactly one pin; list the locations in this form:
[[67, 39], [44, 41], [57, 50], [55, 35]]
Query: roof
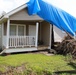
[[16, 10], [7, 15], [53, 15]]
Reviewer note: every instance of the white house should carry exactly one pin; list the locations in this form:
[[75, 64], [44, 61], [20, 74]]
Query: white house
[[20, 32]]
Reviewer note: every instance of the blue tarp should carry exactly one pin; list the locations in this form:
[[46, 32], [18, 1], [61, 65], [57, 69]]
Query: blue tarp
[[53, 15]]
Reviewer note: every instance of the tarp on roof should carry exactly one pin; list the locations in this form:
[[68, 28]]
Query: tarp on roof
[[53, 15]]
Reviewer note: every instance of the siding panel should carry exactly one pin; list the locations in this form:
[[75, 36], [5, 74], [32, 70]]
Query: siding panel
[[23, 15]]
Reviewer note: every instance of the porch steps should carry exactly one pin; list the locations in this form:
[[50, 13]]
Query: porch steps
[[42, 47]]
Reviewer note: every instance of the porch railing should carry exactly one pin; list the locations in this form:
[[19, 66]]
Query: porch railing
[[21, 41]]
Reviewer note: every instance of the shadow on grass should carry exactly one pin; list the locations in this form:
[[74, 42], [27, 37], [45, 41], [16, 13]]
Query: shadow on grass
[[73, 65], [68, 72]]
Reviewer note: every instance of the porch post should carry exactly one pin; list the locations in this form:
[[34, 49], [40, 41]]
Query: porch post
[[2, 33], [36, 42], [50, 36], [8, 28]]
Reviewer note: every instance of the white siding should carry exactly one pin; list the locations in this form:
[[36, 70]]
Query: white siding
[[58, 34], [0, 36]]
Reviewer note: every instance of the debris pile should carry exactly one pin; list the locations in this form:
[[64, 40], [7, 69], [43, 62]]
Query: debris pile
[[68, 45]]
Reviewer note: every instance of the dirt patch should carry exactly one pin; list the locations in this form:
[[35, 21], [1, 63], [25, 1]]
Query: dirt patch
[[13, 70]]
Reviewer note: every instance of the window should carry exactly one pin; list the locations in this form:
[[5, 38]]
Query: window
[[21, 30], [17, 30], [13, 30]]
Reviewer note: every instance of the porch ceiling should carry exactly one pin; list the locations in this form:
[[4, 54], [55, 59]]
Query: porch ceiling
[[25, 22]]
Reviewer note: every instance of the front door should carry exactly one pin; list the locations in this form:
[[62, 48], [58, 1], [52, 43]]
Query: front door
[[32, 34], [32, 30]]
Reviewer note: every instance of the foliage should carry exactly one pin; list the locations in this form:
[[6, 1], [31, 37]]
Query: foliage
[[67, 46]]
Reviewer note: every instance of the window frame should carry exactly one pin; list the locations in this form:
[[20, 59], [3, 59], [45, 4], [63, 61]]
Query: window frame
[[17, 25]]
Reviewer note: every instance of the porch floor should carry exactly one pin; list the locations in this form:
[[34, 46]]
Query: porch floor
[[40, 47], [25, 49]]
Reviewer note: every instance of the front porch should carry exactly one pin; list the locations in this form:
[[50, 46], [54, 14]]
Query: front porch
[[26, 35], [20, 35]]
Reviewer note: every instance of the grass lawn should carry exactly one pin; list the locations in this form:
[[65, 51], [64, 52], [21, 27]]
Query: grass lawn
[[36, 63]]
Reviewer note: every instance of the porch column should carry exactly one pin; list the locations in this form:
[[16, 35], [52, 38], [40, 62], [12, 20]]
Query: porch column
[[36, 42], [8, 30], [2, 34], [50, 36]]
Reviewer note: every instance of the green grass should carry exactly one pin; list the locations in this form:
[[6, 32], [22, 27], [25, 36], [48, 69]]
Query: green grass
[[36, 62]]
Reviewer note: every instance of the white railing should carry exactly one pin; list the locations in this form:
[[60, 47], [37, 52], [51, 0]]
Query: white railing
[[21, 41]]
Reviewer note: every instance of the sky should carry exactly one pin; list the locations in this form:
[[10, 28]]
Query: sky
[[67, 5], [8, 5]]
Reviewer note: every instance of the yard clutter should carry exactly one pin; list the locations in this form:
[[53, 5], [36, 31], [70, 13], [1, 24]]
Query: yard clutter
[[67, 46]]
